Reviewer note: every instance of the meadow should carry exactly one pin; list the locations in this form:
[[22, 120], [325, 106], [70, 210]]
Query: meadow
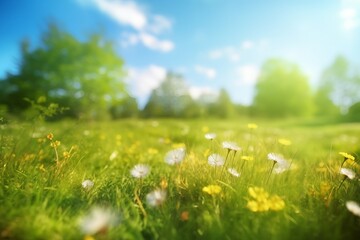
[[179, 179]]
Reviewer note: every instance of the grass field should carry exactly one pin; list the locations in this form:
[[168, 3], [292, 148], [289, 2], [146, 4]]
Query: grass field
[[284, 183]]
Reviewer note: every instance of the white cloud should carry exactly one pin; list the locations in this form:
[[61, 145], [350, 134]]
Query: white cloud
[[196, 92], [123, 12], [247, 74], [143, 81], [210, 73], [349, 18], [145, 25], [229, 53], [247, 44]]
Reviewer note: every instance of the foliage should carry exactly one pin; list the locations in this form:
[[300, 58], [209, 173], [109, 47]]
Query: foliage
[[341, 83], [222, 107], [85, 76], [282, 91], [171, 99]]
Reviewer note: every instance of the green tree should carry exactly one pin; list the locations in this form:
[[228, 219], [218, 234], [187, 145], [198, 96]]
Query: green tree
[[126, 108], [86, 76], [223, 106], [341, 83], [282, 90], [170, 99]]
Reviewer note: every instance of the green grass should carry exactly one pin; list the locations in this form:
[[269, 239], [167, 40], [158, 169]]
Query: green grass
[[41, 196]]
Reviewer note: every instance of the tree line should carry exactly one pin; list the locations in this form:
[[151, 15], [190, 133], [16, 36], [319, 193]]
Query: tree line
[[87, 77]]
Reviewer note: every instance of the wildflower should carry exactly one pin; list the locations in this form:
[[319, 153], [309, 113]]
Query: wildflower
[[55, 144], [284, 141], [258, 206], [233, 172], [282, 166], [212, 190], [275, 157], [87, 184], [247, 158], [98, 220], [353, 207], [276, 203], [175, 156], [252, 126], [156, 197], [210, 136], [50, 136], [257, 193], [152, 151], [184, 216], [163, 183], [113, 155], [66, 154], [347, 156], [231, 146], [140, 171], [348, 173], [216, 160]]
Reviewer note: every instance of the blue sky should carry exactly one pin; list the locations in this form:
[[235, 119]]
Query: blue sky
[[213, 43]]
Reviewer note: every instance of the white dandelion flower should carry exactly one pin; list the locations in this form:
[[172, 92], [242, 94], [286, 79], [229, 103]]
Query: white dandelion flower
[[353, 207], [87, 184], [156, 197], [140, 171], [348, 173], [234, 172], [276, 157], [175, 156], [216, 160], [281, 166], [210, 136], [98, 220], [231, 146]]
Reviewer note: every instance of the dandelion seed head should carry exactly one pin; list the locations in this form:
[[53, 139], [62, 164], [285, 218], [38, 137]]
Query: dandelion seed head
[[140, 171], [234, 172], [275, 157], [353, 207], [216, 160], [210, 136], [232, 146], [348, 173], [87, 184], [98, 220], [156, 197], [175, 156]]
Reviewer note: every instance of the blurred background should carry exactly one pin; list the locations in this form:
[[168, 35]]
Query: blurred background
[[113, 59]]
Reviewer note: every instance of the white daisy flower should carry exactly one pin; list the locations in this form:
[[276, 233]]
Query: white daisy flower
[[140, 171], [276, 157], [216, 160], [156, 197], [231, 146], [233, 172], [353, 207], [87, 184], [348, 173], [210, 136], [175, 156], [98, 220]]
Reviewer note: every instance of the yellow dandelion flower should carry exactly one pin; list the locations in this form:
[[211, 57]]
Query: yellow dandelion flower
[[66, 154], [284, 141], [256, 206], [252, 126], [55, 144], [50, 136], [163, 184], [257, 193], [247, 158], [212, 190], [178, 145], [205, 129], [347, 156], [276, 203]]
